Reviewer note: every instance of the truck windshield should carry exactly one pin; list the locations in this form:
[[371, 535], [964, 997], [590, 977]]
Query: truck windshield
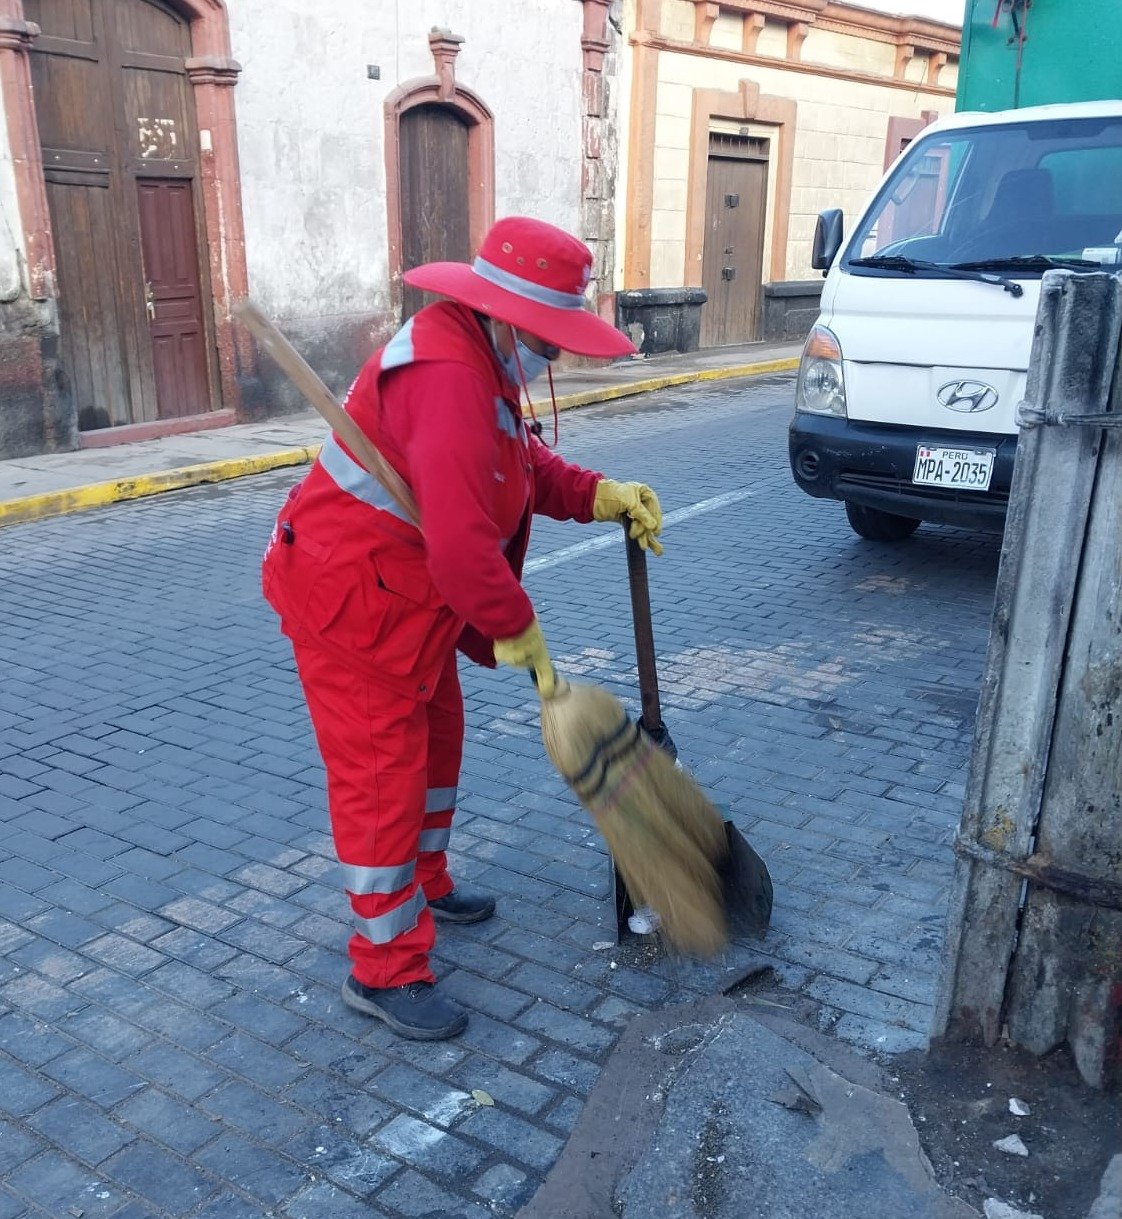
[[1019, 197]]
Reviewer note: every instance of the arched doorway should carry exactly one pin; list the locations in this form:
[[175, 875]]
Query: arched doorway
[[435, 191], [117, 126], [440, 170]]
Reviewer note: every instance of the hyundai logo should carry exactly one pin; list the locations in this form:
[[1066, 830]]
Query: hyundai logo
[[969, 397]]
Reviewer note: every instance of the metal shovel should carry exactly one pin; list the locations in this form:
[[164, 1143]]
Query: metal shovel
[[744, 875]]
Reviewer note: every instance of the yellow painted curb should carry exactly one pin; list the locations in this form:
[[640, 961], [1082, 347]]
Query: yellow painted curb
[[98, 495], [609, 393]]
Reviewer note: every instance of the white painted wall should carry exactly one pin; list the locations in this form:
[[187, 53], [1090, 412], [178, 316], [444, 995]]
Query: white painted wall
[[311, 130], [11, 230]]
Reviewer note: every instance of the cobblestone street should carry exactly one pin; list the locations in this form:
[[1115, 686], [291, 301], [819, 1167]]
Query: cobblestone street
[[172, 1041]]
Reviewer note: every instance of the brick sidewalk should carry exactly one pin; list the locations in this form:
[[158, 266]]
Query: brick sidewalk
[[171, 1038]]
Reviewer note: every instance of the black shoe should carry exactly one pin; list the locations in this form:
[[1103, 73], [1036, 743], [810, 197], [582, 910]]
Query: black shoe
[[462, 906], [414, 1010]]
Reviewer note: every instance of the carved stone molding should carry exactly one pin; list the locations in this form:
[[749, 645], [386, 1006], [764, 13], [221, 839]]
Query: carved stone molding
[[445, 46]]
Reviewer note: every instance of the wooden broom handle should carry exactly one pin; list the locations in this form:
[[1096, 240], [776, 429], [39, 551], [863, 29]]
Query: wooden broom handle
[[300, 373], [644, 631]]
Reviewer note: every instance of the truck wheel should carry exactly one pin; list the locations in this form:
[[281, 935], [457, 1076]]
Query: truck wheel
[[879, 526]]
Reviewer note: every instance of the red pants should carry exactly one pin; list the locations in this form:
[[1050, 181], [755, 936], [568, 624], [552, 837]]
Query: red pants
[[393, 764]]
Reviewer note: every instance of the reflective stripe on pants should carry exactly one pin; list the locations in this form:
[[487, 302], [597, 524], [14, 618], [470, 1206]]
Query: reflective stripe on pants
[[392, 768]]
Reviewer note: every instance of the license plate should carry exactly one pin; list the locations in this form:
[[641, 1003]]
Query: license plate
[[961, 469]]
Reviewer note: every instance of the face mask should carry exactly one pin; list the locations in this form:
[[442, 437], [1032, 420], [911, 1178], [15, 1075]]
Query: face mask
[[533, 364]]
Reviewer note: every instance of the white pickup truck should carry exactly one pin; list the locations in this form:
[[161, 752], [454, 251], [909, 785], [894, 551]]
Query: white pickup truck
[[909, 382]]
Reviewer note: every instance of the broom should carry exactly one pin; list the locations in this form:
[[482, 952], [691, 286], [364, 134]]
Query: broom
[[667, 839]]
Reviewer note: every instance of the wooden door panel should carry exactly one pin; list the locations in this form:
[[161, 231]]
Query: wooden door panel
[[115, 109], [150, 29], [71, 103], [435, 192], [175, 309], [93, 331], [61, 18], [732, 258], [157, 121]]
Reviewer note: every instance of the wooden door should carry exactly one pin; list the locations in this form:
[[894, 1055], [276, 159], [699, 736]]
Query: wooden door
[[115, 110], [435, 188], [733, 257], [173, 296]]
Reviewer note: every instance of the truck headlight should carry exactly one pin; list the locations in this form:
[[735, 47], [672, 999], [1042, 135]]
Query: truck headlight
[[821, 384]]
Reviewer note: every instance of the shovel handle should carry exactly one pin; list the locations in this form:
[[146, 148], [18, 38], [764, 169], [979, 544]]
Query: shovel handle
[[300, 373], [644, 631]]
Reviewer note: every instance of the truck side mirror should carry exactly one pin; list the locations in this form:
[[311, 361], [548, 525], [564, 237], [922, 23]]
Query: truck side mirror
[[827, 239]]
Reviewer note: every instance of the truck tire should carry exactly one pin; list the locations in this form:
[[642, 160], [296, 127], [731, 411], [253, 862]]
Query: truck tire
[[879, 526]]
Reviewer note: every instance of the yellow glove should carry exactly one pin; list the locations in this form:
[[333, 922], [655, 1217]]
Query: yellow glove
[[528, 651], [638, 502]]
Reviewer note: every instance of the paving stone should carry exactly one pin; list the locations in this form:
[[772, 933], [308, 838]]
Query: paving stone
[[257, 1112], [576, 1074], [356, 1166], [323, 1199], [163, 1118], [58, 1183], [159, 1177], [417, 1197], [563, 1117], [431, 1098], [47, 959], [88, 1074], [110, 1036], [479, 995], [263, 1174], [83, 1130], [16, 1146], [340, 1055], [268, 1021], [176, 1070], [31, 1041], [428, 1147], [229, 1206], [21, 1092], [509, 1089], [351, 1109], [39, 997], [570, 1030], [567, 992], [199, 951], [513, 1137], [504, 1188]]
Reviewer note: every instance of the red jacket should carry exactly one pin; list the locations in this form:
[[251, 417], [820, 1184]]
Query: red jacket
[[346, 573]]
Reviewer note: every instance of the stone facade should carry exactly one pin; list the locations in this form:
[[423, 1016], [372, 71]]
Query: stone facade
[[298, 107], [825, 87]]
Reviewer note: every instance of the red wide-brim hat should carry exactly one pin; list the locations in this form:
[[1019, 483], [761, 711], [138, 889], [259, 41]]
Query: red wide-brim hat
[[532, 275]]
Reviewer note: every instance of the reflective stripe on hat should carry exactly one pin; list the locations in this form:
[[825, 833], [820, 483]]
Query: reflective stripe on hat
[[363, 880], [383, 928], [526, 288], [349, 476]]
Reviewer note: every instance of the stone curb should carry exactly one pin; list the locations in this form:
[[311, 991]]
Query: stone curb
[[113, 491]]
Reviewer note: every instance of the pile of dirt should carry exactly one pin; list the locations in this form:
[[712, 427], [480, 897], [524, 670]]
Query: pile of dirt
[[959, 1100]]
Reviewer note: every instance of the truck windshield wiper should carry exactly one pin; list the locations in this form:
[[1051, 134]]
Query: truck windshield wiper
[[901, 262], [1028, 262]]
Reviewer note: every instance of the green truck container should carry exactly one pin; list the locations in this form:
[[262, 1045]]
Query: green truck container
[[1018, 53]]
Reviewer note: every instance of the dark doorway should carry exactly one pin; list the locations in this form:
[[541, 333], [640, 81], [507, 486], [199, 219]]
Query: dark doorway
[[733, 257], [435, 192], [116, 120]]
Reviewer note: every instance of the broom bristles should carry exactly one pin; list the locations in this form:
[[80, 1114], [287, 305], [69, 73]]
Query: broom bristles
[[666, 837]]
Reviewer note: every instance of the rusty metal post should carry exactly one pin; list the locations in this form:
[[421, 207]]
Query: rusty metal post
[[1034, 935]]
